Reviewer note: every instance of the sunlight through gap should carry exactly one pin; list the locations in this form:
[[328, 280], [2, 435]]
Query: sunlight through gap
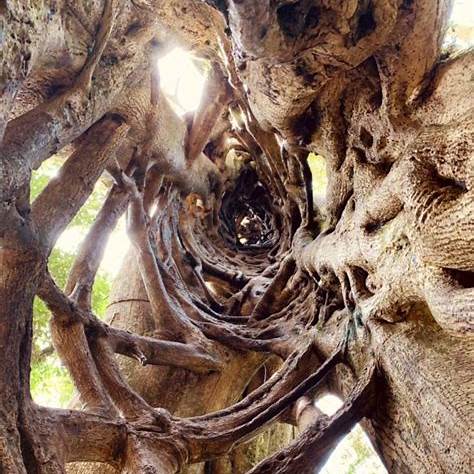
[[460, 33], [354, 454], [181, 80]]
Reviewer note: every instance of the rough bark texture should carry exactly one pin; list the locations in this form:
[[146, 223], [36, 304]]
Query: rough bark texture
[[242, 296]]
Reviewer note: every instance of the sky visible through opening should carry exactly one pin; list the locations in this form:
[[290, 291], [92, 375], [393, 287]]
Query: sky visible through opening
[[182, 80]]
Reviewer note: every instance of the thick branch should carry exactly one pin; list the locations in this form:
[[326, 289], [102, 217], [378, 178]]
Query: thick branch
[[55, 207], [82, 274], [245, 419], [215, 98], [145, 349], [167, 312]]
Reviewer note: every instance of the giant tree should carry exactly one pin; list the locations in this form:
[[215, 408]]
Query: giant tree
[[243, 296]]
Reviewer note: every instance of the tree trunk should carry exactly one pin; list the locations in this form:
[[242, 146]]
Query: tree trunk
[[423, 411]]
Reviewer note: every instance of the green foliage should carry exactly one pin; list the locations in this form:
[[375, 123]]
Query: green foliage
[[49, 170], [89, 210], [359, 458], [59, 264], [50, 381], [100, 294], [354, 455]]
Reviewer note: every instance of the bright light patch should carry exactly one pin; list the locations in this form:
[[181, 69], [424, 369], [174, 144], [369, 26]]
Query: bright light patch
[[117, 246], [460, 34], [354, 454], [181, 80], [463, 12], [329, 404]]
